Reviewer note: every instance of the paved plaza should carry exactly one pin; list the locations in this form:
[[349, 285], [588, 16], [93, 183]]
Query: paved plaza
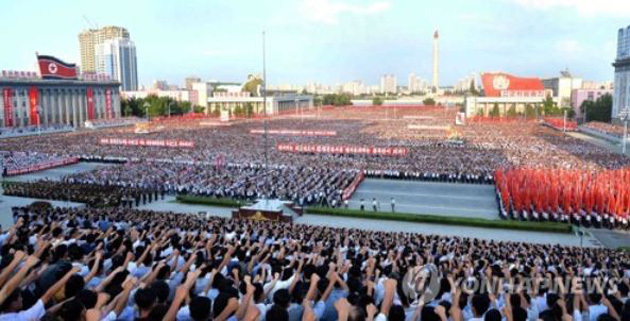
[[417, 197]]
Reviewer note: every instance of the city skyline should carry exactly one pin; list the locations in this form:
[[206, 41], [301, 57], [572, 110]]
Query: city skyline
[[332, 42]]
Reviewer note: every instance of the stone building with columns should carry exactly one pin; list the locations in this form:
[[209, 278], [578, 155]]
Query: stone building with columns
[[48, 102]]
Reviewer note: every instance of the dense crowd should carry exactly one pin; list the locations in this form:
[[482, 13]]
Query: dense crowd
[[19, 160], [302, 185], [123, 264], [605, 128], [480, 148], [34, 130], [92, 195]]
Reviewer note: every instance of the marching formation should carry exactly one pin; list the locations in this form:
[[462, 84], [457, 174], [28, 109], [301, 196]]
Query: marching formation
[[600, 199]]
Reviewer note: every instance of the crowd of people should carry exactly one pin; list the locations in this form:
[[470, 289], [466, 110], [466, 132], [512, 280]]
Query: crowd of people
[[302, 185], [112, 122], [227, 161], [17, 160], [76, 264], [605, 128], [34, 130], [93, 195], [599, 199]]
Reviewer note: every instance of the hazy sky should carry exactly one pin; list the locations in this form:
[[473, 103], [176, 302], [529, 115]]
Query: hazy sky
[[328, 41]]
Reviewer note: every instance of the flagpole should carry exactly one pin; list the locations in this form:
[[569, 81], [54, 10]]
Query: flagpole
[[266, 136]]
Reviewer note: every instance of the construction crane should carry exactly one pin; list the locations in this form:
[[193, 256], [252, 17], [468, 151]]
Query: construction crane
[[89, 23]]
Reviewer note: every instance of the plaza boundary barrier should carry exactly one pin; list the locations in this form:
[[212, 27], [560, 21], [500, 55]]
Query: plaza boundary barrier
[[347, 193], [549, 227], [206, 200], [43, 166]]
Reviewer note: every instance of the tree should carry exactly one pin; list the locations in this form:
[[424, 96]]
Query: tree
[[249, 109], [429, 101], [252, 86], [530, 111], [480, 112], [337, 99], [495, 112], [377, 101], [473, 90], [198, 109], [550, 108], [238, 111], [598, 110], [512, 111]]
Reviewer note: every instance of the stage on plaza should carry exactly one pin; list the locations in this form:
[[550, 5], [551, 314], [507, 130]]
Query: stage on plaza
[[269, 210]]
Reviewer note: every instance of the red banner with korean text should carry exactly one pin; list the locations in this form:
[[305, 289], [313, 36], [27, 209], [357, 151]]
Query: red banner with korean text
[[8, 107], [33, 98], [90, 103], [148, 142], [108, 104], [328, 149]]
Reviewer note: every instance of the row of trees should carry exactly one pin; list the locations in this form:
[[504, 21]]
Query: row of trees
[[157, 106], [598, 110], [336, 99], [546, 108]]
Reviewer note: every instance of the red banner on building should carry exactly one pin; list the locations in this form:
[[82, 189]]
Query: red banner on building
[[8, 107], [108, 104], [90, 103], [147, 142], [327, 149], [33, 97], [291, 132]]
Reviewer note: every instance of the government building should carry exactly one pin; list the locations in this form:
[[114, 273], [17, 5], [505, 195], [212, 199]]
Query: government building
[[506, 92], [29, 100]]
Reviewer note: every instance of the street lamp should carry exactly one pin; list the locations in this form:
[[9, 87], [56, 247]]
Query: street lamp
[[624, 116], [169, 108], [146, 107]]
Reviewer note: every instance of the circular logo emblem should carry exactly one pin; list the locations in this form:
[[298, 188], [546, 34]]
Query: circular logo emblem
[[52, 67], [500, 82]]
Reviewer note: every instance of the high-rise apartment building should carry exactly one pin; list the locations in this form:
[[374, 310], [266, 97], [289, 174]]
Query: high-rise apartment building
[[388, 84], [117, 58], [90, 38]]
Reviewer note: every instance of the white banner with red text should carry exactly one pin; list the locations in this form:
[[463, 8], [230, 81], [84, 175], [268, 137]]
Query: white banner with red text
[[148, 142], [328, 149]]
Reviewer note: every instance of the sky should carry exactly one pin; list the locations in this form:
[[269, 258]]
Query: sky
[[328, 41]]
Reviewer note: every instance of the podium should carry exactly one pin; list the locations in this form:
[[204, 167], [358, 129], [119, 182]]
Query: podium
[[269, 210]]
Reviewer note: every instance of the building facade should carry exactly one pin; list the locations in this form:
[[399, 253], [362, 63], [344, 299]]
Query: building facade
[[34, 101], [507, 92], [117, 58], [562, 87], [191, 80], [388, 84], [277, 104], [621, 96], [579, 96], [89, 39]]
